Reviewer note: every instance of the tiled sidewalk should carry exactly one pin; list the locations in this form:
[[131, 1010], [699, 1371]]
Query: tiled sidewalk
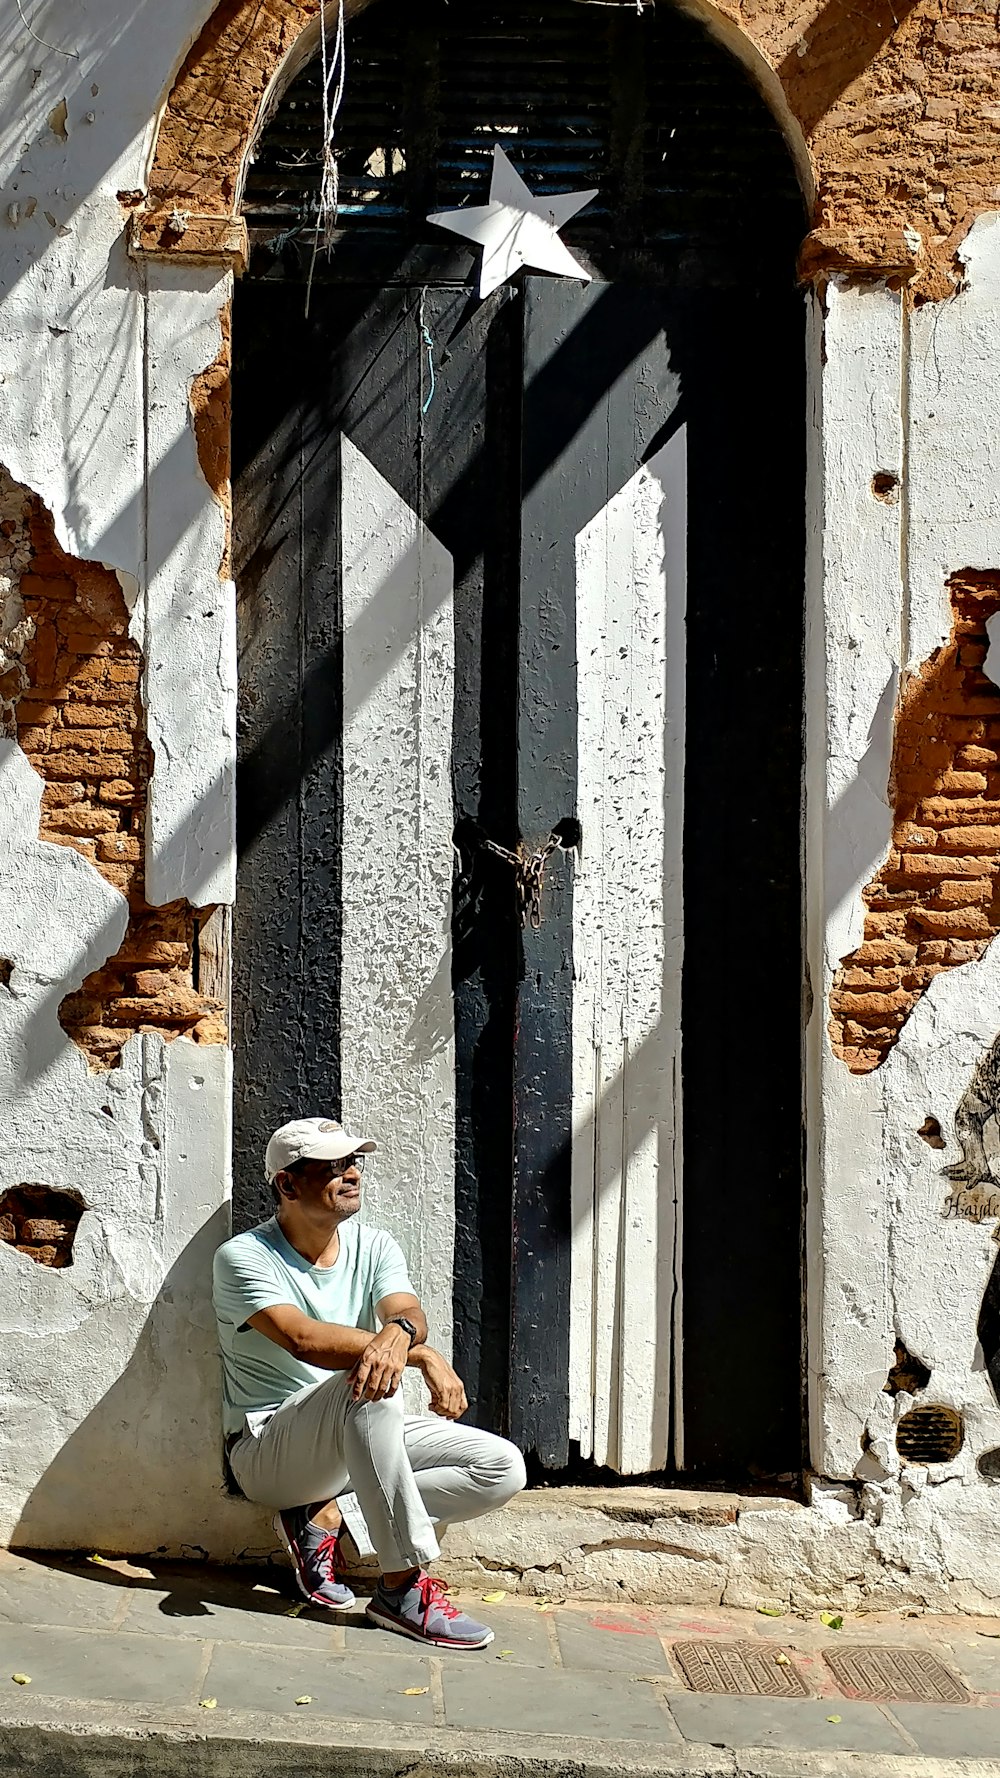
[[92, 1634]]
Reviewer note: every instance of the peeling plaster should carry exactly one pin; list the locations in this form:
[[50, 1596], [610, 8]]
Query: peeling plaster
[[97, 361], [120, 1344]]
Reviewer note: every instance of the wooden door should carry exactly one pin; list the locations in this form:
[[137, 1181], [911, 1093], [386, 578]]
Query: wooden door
[[464, 628]]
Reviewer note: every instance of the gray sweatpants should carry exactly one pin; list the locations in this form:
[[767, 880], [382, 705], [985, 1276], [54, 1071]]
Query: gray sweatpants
[[409, 1471]]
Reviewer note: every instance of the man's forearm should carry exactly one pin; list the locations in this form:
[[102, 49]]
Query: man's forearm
[[334, 1348]]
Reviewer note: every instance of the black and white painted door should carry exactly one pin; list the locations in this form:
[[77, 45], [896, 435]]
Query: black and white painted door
[[476, 573], [520, 637]]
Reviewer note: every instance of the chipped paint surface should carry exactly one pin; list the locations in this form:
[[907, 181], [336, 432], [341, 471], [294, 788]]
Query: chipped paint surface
[[96, 423], [887, 1265], [99, 361]]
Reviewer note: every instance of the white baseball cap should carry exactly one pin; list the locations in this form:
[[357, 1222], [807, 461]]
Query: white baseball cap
[[311, 1139]]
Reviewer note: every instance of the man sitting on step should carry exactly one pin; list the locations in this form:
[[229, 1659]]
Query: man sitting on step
[[317, 1323]]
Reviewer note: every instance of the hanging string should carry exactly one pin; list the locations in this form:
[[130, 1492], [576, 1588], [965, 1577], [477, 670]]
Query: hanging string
[[73, 54], [429, 343], [334, 69]]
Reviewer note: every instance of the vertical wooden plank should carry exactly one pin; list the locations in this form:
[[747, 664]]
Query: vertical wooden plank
[[280, 1055], [396, 1015], [215, 961], [470, 476], [628, 941], [742, 1100], [652, 1047], [597, 390]]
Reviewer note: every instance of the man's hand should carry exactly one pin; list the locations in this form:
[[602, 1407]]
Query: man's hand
[[448, 1397], [381, 1365]]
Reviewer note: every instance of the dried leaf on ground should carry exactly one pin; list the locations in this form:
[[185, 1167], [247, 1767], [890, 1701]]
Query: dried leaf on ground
[[834, 1719], [832, 1620], [208, 1703], [782, 1661], [771, 1610], [293, 1610], [305, 1699], [21, 1678], [493, 1598], [416, 1691]]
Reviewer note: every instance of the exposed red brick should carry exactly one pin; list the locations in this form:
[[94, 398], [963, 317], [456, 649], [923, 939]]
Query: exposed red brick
[[74, 705], [936, 901], [41, 1222]]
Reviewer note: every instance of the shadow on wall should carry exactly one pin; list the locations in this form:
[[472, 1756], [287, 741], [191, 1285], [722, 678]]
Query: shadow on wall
[[143, 1470]]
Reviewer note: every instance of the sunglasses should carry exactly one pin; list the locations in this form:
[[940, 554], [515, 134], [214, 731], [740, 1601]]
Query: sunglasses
[[339, 1168], [335, 1169]]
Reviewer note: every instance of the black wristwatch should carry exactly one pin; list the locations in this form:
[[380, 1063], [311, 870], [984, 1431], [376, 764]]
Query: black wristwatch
[[407, 1326]]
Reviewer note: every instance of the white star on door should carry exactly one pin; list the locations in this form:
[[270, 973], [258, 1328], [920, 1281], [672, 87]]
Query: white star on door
[[517, 228]]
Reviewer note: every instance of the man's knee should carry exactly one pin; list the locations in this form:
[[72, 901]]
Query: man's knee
[[501, 1470], [372, 1419]]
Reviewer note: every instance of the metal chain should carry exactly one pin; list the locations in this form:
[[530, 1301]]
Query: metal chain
[[529, 870]]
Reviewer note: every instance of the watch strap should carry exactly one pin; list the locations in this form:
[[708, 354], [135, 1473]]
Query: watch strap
[[406, 1325]]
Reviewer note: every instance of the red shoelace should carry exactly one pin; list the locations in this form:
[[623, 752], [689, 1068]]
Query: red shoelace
[[329, 1546], [433, 1592]]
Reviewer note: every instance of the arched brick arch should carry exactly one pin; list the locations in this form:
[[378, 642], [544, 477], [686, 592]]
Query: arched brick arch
[[890, 103]]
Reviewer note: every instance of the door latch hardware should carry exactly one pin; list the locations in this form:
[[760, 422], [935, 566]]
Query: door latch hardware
[[529, 865]]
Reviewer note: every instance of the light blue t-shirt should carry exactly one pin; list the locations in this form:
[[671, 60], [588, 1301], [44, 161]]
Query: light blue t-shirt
[[261, 1269]]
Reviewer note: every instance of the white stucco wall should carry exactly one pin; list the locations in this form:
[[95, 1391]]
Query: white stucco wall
[[108, 1379], [916, 395]]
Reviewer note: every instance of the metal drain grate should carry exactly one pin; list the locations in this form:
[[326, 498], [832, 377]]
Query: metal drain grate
[[737, 1667], [906, 1674]]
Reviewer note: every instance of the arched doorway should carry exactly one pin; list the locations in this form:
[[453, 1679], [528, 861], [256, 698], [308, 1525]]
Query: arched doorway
[[516, 568]]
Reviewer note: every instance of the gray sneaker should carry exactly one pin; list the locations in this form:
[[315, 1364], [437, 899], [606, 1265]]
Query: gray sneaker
[[315, 1556], [423, 1611]]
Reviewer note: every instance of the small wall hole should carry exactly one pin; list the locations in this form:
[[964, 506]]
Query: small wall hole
[[908, 1374], [885, 486], [41, 1221], [988, 1464], [930, 1130], [569, 833]]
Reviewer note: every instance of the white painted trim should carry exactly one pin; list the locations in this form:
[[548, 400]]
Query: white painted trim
[[397, 1015], [627, 947]]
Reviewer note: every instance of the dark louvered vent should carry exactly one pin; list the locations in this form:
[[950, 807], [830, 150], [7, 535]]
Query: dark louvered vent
[[689, 163]]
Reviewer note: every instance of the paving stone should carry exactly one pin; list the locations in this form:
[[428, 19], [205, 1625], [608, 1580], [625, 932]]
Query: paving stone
[[952, 1731], [217, 1614], [94, 1664], [521, 1636], [270, 1679], [31, 1593], [553, 1703], [786, 1722], [362, 1637], [610, 1643], [977, 1659]]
